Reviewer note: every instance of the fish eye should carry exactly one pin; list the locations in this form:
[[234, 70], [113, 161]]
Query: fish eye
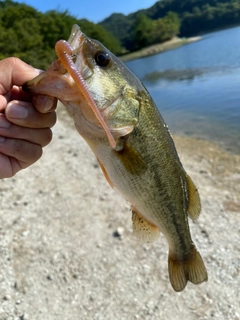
[[102, 58]]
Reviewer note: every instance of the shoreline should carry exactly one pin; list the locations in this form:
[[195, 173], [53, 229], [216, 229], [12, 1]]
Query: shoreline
[[157, 48]]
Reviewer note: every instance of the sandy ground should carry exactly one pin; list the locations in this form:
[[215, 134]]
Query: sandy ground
[[67, 250]]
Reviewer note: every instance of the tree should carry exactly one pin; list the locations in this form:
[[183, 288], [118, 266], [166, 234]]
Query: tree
[[171, 25], [31, 35], [143, 31], [148, 32], [97, 31]]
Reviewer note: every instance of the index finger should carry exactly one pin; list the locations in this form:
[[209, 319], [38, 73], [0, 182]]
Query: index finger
[[14, 71]]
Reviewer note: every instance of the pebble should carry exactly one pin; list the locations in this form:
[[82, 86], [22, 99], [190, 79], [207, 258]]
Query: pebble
[[119, 232], [49, 277], [25, 233]]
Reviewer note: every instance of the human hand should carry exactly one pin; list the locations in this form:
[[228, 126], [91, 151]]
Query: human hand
[[25, 121]]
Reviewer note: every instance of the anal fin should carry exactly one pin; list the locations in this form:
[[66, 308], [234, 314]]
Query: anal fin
[[191, 269], [194, 203], [142, 229]]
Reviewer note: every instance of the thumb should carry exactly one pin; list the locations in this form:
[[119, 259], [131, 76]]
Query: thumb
[[14, 71]]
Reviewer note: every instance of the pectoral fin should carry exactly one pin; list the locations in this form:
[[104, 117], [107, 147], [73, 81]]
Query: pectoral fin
[[131, 159], [194, 203], [142, 229]]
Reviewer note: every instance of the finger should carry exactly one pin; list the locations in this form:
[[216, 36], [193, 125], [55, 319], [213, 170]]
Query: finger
[[44, 103], [15, 72], [24, 114], [8, 166], [15, 94], [41, 136], [18, 94], [4, 101], [23, 151]]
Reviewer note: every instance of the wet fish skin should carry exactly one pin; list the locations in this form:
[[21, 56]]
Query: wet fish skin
[[144, 166]]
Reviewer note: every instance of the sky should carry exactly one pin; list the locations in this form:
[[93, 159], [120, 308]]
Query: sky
[[92, 10]]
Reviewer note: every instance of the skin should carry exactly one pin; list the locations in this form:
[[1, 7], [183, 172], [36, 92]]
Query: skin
[[25, 120]]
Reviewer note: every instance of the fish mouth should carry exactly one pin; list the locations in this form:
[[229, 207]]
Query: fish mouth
[[65, 79], [56, 81]]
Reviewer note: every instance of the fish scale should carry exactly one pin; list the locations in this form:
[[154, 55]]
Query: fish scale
[[157, 188], [116, 116]]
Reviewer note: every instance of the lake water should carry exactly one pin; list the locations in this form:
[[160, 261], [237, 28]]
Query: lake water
[[197, 87]]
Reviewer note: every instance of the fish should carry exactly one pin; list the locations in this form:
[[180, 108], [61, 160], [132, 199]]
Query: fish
[[119, 120]]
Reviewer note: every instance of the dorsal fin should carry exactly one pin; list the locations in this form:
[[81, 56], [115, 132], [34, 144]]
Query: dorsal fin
[[194, 203]]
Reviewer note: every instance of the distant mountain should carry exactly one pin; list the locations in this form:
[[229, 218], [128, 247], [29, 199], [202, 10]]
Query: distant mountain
[[196, 16], [121, 27]]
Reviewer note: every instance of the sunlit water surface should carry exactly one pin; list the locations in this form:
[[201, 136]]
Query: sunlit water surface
[[197, 87]]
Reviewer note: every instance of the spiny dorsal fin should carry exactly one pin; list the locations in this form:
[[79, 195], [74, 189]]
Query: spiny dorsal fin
[[142, 229], [192, 269], [194, 203]]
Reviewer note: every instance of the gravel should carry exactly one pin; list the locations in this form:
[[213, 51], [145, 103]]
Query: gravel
[[67, 250]]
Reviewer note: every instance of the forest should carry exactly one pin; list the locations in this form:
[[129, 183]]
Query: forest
[[31, 35], [196, 17]]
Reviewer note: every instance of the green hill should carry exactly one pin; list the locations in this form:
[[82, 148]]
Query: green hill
[[31, 35], [196, 17]]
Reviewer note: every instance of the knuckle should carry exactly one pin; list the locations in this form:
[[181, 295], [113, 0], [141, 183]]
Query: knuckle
[[12, 61]]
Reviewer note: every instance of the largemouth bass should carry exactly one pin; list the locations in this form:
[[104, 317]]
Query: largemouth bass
[[116, 116]]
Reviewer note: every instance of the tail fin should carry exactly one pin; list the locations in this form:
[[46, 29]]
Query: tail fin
[[191, 269]]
